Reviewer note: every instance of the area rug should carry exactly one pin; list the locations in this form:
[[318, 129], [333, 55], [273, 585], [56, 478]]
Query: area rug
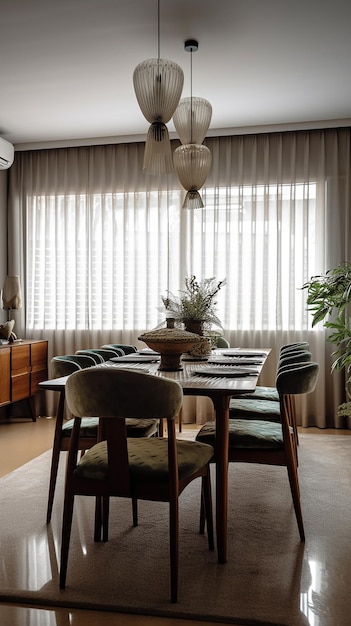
[[270, 576]]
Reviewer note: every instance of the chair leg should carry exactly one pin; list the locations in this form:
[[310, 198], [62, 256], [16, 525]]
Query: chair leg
[[202, 515], [55, 456], [66, 535], [174, 546], [53, 477], [135, 511], [105, 517], [180, 420], [98, 518], [207, 498], [295, 492]]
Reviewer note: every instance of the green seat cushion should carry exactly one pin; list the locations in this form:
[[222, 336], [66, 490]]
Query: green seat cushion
[[148, 459], [135, 427], [88, 427], [246, 434], [141, 427], [255, 409], [264, 393]]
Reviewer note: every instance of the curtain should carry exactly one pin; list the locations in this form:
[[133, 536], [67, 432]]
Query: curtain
[[99, 242]]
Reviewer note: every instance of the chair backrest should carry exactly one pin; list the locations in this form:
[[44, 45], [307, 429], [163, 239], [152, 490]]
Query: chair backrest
[[127, 349], [108, 392], [94, 354], [99, 354], [117, 351], [298, 379], [114, 395], [105, 354], [222, 342], [63, 365], [296, 356], [298, 345]]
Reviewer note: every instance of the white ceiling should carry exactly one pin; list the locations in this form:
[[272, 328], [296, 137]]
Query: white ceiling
[[67, 65]]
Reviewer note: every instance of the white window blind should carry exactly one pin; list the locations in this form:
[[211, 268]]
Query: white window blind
[[102, 261]]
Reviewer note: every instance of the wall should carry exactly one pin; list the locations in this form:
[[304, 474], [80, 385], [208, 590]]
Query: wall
[[3, 234]]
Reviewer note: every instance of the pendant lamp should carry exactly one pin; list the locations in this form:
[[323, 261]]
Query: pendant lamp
[[192, 163], [192, 160], [192, 119], [158, 85]]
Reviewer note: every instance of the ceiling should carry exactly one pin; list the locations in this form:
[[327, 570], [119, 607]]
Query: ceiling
[[67, 65]]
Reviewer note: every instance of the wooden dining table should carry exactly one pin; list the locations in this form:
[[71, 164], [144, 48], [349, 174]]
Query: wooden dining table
[[228, 372]]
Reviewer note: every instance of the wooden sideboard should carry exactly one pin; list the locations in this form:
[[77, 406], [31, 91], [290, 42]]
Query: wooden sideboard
[[23, 365]]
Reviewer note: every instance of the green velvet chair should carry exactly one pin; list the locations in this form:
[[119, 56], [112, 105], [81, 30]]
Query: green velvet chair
[[126, 348], [266, 406], [297, 345], [64, 366], [101, 355], [222, 342], [270, 394], [267, 442], [156, 469]]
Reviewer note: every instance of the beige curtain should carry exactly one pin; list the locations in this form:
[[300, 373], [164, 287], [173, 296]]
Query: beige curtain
[[277, 211]]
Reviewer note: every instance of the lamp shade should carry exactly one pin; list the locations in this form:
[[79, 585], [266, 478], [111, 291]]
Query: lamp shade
[[158, 85], [158, 154], [11, 293], [193, 200], [192, 163], [191, 119]]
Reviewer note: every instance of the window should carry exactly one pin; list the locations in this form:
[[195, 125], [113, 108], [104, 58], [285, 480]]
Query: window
[[102, 261]]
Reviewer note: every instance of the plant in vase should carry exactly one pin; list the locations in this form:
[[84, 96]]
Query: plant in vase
[[196, 303], [196, 307], [329, 300]]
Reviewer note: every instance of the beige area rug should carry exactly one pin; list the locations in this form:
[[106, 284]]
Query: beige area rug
[[270, 577]]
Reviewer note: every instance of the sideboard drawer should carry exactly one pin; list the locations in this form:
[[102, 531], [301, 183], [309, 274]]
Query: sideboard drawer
[[20, 386], [20, 372], [20, 358], [39, 365], [5, 367]]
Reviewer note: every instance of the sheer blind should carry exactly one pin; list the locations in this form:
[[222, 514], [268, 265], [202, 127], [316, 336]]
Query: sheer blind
[[102, 261]]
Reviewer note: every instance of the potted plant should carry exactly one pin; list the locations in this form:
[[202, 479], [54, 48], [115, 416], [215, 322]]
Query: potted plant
[[196, 304], [329, 298]]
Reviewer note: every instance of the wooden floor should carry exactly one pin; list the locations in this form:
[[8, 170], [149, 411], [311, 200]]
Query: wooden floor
[[20, 441]]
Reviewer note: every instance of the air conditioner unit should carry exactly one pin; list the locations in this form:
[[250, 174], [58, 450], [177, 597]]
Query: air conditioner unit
[[7, 153]]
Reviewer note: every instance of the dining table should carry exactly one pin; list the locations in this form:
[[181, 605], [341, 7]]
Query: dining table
[[227, 372]]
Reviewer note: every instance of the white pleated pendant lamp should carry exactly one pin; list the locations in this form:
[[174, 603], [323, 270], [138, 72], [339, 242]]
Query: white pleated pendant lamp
[[192, 119], [192, 163], [158, 85], [192, 160]]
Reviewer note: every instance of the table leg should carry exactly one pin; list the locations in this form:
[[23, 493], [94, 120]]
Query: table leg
[[221, 405], [55, 454]]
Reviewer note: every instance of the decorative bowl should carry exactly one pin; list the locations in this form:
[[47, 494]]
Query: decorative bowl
[[201, 350], [171, 343]]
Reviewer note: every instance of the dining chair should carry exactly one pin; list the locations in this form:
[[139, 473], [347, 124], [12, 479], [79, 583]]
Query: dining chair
[[265, 400], [104, 353], [298, 353], [267, 442], [297, 345], [222, 342], [267, 407], [156, 469], [64, 366], [127, 349]]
